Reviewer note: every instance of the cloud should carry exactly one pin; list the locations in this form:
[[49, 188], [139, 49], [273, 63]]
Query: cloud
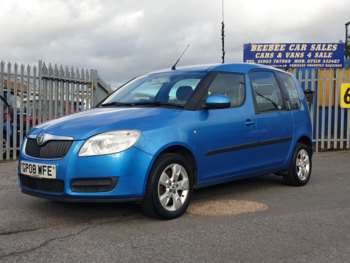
[[126, 38]]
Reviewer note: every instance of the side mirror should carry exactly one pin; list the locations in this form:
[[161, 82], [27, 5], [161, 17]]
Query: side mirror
[[217, 102]]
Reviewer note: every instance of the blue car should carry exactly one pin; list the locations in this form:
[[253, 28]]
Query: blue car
[[161, 135]]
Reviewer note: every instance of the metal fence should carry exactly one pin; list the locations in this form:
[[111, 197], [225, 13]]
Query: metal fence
[[31, 95], [331, 123]]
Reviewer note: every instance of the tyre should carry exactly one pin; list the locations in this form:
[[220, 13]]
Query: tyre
[[169, 187], [299, 172]]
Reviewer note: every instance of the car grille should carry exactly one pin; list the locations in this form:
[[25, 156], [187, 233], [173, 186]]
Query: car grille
[[46, 185], [51, 149]]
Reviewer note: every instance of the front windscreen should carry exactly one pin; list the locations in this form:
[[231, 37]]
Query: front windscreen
[[170, 88]]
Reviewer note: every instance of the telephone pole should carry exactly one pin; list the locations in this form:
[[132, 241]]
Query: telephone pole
[[223, 33]]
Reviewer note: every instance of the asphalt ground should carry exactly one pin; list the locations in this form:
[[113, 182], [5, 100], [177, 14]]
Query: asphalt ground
[[254, 220]]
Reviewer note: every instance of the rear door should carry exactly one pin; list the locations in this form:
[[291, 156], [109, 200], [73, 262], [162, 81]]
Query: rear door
[[273, 118]]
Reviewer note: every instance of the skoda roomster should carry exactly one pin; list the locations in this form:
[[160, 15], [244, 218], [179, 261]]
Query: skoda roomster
[[161, 135]]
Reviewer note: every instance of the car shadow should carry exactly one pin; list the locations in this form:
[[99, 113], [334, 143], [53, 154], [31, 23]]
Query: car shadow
[[88, 211], [235, 189]]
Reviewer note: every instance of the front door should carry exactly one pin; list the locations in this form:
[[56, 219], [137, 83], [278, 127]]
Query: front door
[[225, 136]]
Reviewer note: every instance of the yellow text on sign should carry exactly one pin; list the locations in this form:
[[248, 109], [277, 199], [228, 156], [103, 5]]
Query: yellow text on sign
[[345, 95]]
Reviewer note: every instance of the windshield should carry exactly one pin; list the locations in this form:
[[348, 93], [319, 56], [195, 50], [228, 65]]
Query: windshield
[[170, 88]]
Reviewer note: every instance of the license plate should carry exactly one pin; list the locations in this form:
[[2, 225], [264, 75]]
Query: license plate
[[38, 170]]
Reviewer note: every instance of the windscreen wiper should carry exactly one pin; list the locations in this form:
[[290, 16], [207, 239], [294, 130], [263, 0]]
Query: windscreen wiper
[[115, 103], [134, 104], [268, 99], [159, 103]]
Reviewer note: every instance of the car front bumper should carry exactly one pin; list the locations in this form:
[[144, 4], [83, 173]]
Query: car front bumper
[[127, 172]]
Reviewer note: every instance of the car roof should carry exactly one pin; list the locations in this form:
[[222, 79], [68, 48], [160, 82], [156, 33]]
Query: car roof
[[235, 67]]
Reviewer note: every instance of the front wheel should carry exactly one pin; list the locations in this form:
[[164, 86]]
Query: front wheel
[[169, 187], [299, 172]]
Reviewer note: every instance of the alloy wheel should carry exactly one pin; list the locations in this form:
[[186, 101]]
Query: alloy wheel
[[173, 187], [303, 165]]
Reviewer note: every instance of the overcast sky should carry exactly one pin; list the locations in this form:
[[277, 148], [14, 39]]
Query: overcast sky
[[124, 38]]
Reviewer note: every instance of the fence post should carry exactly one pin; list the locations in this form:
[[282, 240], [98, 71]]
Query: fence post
[[62, 84], [72, 91], [50, 90], [77, 91], [323, 122], [55, 91], [29, 104], [87, 79], [21, 113], [46, 107], [317, 110], [15, 117], [342, 117], [94, 86], [35, 92], [330, 106], [67, 91], [8, 127], [40, 92], [2, 106], [348, 115], [336, 107]]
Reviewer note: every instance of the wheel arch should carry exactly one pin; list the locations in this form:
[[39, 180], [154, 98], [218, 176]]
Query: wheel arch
[[180, 149], [300, 138], [306, 140]]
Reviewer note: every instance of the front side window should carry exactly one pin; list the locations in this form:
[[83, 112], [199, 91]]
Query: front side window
[[170, 88], [229, 84], [267, 93], [190, 85], [290, 89]]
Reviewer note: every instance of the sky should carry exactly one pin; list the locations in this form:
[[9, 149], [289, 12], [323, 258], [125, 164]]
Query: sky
[[125, 38]]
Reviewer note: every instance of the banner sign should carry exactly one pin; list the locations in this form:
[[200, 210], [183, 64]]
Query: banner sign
[[296, 55]]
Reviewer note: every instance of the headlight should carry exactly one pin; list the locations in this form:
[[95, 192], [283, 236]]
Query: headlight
[[109, 142]]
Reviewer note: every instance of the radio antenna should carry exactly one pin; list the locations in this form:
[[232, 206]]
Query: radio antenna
[[223, 32], [178, 60]]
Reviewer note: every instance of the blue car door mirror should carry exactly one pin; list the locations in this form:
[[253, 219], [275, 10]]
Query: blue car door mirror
[[217, 102]]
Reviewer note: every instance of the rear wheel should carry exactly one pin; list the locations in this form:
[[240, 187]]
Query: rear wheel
[[301, 166], [169, 188]]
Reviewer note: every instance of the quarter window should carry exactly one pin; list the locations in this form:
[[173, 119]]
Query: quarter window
[[230, 85], [267, 93], [290, 90]]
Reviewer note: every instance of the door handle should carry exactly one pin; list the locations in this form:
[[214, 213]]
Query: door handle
[[249, 122]]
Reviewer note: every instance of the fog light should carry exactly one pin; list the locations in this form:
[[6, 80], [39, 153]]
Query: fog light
[[89, 185]]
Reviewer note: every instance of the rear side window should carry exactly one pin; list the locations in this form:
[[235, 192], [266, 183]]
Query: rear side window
[[230, 85], [290, 90], [267, 93]]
